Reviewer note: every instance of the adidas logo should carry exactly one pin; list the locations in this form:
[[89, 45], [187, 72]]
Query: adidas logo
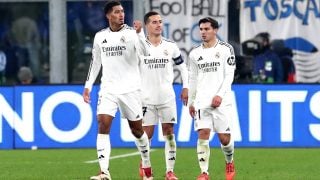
[[200, 58], [228, 129], [138, 116], [202, 160], [101, 157], [172, 159], [104, 41]]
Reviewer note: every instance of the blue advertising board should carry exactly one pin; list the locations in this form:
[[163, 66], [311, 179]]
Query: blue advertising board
[[55, 116]]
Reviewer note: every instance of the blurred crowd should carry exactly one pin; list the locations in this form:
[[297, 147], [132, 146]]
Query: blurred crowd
[[24, 37], [24, 43]]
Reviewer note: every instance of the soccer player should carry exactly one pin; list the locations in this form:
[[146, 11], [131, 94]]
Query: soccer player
[[158, 95], [211, 72], [116, 49]]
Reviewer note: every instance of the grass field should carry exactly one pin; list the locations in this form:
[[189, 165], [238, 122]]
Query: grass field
[[251, 163]]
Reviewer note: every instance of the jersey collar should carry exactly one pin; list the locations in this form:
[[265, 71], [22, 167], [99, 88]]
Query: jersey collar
[[123, 27]]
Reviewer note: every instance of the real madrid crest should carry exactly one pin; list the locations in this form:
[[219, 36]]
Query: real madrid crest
[[217, 56], [165, 52], [123, 39]]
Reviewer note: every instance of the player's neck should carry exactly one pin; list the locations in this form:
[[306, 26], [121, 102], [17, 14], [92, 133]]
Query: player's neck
[[154, 39], [210, 44], [116, 27]]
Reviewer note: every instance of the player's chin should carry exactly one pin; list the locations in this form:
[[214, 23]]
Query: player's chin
[[158, 33]]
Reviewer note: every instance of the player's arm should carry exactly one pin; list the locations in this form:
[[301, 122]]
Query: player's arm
[[86, 95], [95, 66], [192, 111], [192, 75], [141, 44], [184, 75], [229, 65], [181, 66]]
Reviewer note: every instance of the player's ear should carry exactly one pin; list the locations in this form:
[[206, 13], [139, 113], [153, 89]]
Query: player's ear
[[108, 15]]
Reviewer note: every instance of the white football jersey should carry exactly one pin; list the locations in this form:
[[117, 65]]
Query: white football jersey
[[116, 53], [211, 72], [157, 72]]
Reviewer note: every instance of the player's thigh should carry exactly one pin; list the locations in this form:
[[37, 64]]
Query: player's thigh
[[203, 119], [130, 105], [222, 119], [168, 112], [150, 115], [107, 104]]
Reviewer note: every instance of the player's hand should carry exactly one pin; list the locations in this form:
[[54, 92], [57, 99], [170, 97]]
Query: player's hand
[[137, 25], [184, 96], [192, 111], [86, 95], [216, 101]]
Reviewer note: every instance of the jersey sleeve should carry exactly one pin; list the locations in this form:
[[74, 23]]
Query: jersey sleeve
[[229, 67], [193, 74], [95, 65], [181, 65], [176, 55], [141, 44]]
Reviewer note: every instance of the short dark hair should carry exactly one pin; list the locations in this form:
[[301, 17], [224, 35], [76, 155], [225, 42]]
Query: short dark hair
[[109, 5], [214, 24], [148, 14]]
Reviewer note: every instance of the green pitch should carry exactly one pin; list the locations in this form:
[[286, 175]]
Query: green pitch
[[251, 163]]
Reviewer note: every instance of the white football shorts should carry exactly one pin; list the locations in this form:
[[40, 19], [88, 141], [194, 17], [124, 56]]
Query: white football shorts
[[164, 113], [128, 103], [216, 119]]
